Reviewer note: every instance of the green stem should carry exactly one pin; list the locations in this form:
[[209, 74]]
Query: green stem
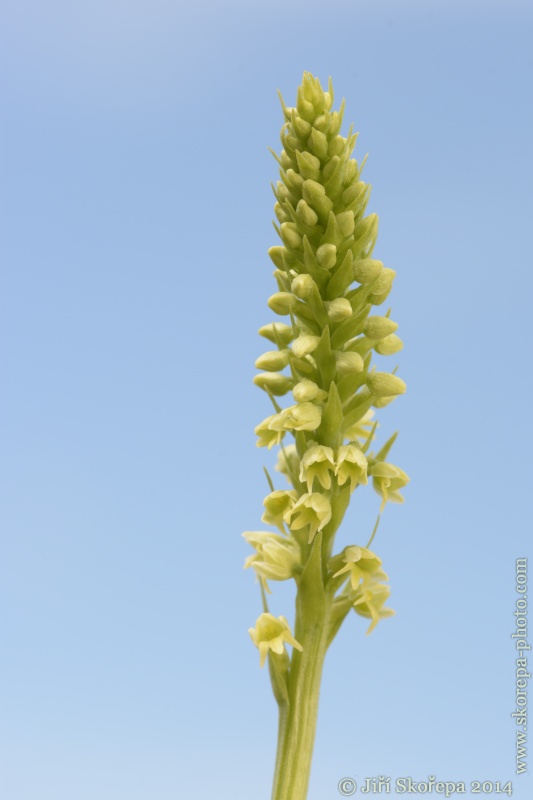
[[298, 717]]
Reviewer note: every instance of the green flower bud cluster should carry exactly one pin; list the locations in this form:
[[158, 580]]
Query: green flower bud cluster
[[321, 351]]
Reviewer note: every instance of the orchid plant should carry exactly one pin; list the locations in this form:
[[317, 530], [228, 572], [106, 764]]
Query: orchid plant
[[327, 286]]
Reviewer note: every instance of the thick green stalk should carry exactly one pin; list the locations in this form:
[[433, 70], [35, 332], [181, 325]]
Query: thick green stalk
[[298, 716], [298, 719]]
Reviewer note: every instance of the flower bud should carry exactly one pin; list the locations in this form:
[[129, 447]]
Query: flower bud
[[336, 146], [304, 345], [379, 327], [302, 128], [326, 255], [338, 309], [383, 384], [355, 190], [281, 214], [281, 192], [273, 382], [284, 333], [366, 270], [281, 303], [347, 363], [302, 286], [315, 194], [290, 236], [381, 402], [336, 121], [365, 234], [350, 174], [322, 123], [389, 345], [382, 287], [294, 179], [311, 89], [308, 165], [318, 144], [346, 222], [273, 361], [286, 160], [307, 390], [306, 214], [277, 255]]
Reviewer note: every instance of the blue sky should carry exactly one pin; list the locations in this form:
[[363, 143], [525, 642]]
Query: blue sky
[[137, 209]]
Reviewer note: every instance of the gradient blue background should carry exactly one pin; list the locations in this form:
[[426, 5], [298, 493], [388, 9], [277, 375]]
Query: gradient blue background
[[136, 219]]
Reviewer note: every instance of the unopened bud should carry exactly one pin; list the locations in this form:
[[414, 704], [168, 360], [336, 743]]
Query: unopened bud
[[308, 164], [284, 333], [355, 190], [290, 236], [382, 287], [326, 255], [306, 214], [379, 327], [389, 345], [383, 384], [350, 173], [336, 121], [305, 108], [281, 303], [294, 179], [273, 382], [365, 234], [366, 270], [302, 128], [304, 345], [315, 194], [277, 254], [318, 143], [322, 122], [306, 390], [338, 309], [302, 286], [273, 361], [281, 214], [336, 146], [346, 222], [348, 363]]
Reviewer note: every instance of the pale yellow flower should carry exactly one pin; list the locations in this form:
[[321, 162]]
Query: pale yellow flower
[[312, 509], [301, 417], [351, 465], [318, 462], [269, 436], [272, 634], [387, 480], [276, 505], [363, 565], [276, 558], [371, 603]]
